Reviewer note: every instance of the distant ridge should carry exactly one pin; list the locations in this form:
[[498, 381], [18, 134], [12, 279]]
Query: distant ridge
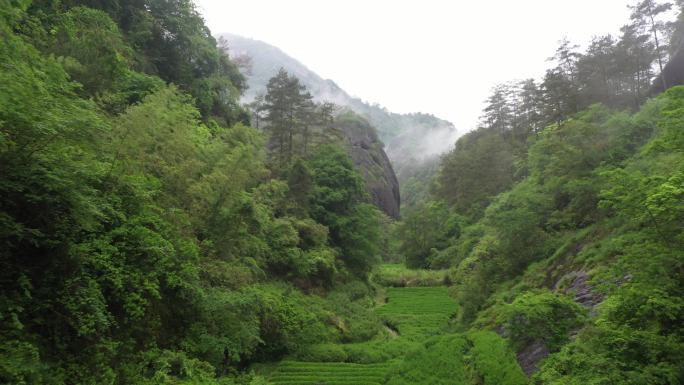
[[408, 138]]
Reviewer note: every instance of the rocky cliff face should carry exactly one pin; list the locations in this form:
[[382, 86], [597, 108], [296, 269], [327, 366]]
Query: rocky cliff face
[[673, 71], [366, 150]]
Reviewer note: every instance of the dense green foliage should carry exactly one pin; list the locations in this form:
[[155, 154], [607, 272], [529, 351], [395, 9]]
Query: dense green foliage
[[424, 230], [543, 316], [614, 72], [338, 202], [596, 219], [416, 348], [570, 217], [477, 358], [150, 236], [146, 239]]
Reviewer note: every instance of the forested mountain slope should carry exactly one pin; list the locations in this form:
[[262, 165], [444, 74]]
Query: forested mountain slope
[[561, 217], [146, 235]]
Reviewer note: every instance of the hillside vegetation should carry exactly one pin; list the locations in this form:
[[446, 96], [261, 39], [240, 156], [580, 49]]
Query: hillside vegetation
[[416, 346], [153, 230], [148, 235], [561, 218]]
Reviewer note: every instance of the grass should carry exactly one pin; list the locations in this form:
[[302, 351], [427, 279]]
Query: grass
[[398, 275]]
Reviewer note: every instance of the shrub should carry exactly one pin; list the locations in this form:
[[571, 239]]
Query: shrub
[[542, 315]]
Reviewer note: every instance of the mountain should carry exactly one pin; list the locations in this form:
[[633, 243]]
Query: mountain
[[409, 138]]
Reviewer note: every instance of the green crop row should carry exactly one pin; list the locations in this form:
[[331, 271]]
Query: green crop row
[[418, 311], [328, 373]]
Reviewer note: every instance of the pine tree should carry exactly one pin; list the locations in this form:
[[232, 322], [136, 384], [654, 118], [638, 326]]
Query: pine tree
[[596, 71], [279, 107], [498, 114], [529, 115], [290, 113], [644, 16], [257, 109], [306, 118], [635, 53]]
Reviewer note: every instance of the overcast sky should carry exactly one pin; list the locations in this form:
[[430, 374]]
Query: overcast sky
[[435, 56]]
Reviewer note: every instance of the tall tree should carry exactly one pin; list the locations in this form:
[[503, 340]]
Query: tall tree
[[289, 111], [635, 54], [645, 17], [561, 82], [306, 117], [596, 71], [498, 114], [529, 114], [257, 109], [279, 107]]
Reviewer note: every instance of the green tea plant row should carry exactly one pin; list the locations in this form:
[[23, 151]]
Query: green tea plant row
[[417, 312], [328, 373]]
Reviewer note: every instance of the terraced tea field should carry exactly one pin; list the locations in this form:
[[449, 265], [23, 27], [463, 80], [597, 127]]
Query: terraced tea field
[[328, 373], [416, 313]]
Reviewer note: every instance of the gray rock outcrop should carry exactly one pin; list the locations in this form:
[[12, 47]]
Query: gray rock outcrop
[[366, 150]]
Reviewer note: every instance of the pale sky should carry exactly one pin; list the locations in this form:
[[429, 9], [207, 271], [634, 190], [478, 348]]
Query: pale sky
[[439, 57]]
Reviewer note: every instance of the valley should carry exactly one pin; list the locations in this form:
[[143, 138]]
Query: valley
[[185, 207]]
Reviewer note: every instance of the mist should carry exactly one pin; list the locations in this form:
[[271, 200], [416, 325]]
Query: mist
[[432, 56], [408, 138]]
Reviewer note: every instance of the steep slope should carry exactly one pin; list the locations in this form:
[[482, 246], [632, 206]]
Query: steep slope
[[578, 263], [132, 212], [409, 138]]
